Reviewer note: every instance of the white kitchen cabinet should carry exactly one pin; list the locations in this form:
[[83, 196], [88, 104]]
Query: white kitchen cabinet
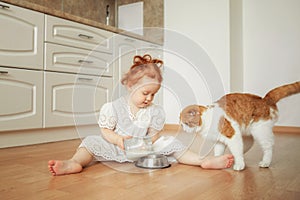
[[72, 99], [55, 72], [155, 50], [78, 74], [21, 37], [61, 31], [74, 60], [21, 99]]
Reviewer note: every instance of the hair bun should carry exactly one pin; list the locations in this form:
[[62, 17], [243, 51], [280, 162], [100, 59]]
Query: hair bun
[[146, 59]]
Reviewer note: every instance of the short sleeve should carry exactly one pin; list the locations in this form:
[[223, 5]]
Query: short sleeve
[[158, 118], [107, 117]]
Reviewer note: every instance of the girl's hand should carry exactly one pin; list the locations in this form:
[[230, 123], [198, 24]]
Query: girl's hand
[[120, 141], [154, 134], [114, 138]]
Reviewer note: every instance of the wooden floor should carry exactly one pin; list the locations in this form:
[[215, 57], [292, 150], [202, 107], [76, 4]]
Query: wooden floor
[[24, 175]]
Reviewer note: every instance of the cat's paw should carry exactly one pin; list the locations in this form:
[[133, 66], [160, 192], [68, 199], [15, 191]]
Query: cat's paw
[[264, 164], [239, 166]]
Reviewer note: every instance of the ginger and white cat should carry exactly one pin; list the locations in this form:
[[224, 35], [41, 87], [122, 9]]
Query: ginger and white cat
[[239, 115]]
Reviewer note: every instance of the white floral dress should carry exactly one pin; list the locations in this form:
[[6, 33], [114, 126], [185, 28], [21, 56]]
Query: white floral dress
[[116, 116]]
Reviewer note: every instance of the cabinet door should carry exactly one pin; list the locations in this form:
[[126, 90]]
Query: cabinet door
[[155, 50], [61, 31], [21, 37], [74, 99], [125, 50], [74, 60], [21, 99]]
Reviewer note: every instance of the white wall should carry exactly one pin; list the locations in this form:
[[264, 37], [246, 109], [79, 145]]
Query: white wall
[[271, 34], [236, 46], [205, 22]]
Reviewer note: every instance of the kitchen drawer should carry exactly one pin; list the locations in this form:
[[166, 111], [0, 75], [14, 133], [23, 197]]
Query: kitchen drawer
[[72, 99], [74, 60], [21, 37], [20, 99], [61, 31]]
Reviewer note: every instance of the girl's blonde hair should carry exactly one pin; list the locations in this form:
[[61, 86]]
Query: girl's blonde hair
[[143, 66]]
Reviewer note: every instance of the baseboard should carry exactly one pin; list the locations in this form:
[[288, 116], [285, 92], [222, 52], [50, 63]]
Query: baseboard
[[38, 136], [172, 127], [276, 129], [286, 129], [28, 137]]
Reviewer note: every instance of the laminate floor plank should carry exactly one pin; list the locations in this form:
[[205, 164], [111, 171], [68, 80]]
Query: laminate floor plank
[[24, 175]]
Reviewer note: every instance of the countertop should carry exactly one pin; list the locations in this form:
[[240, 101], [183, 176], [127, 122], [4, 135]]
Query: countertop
[[67, 16]]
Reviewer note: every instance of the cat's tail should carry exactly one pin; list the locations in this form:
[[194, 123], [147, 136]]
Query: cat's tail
[[281, 92]]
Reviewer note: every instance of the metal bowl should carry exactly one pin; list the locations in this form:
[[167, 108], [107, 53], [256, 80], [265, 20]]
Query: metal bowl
[[153, 161]]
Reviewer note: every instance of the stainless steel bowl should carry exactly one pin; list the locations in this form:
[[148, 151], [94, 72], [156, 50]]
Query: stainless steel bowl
[[153, 161]]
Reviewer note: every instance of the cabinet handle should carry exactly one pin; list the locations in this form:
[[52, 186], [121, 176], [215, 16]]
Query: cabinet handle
[[129, 40], [153, 46], [85, 36], [3, 72], [4, 6], [85, 61], [84, 79]]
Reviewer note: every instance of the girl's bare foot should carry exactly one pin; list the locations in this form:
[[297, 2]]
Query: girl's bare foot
[[61, 167], [219, 162]]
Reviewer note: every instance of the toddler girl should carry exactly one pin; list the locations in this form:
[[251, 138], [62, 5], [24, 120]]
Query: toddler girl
[[133, 115]]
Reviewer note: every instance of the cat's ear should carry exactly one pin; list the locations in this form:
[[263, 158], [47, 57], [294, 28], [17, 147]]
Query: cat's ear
[[201, 109], [200, 121]]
